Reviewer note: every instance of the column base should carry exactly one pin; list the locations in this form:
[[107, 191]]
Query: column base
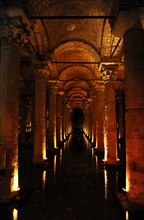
[[126, 204], [111, 163], [53, 151], [98, 151], [42, 165]]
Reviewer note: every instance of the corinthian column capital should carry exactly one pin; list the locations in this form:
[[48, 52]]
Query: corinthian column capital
[[109, 72], [14, 30]]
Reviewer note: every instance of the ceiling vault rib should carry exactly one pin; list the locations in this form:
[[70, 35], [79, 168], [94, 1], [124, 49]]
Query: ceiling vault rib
[[115, 48], [74, 17]]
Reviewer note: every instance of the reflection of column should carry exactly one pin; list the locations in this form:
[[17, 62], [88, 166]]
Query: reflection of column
[[52, 142], [110, 156], [11, 34], [134, 66], [40, 121]]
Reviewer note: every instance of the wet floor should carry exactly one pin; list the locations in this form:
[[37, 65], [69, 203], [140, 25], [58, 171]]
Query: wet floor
[[73, 186]]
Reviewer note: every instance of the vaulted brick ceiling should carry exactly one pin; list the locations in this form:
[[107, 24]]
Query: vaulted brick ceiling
[[75, 35]]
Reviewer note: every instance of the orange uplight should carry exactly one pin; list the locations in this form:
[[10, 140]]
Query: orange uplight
[[44, 179], [15, 214], [44, 150], [14, 180]]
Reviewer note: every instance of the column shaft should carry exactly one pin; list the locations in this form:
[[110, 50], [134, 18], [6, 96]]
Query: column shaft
[[40, 121], [9, 76], [134, 95]]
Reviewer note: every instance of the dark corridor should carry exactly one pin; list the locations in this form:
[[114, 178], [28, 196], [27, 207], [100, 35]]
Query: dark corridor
[[73, 186]]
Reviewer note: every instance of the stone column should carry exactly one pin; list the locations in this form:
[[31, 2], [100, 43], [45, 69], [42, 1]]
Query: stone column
[[11, 34], [99, 117], [130, 24], [134, 95], [22, 119], [110, 139], [52, 142], [39, 154], [121, 117], [59, 118], [63, 118]]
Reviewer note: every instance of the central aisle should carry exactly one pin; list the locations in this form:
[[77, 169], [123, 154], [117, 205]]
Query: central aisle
[[74, 186]]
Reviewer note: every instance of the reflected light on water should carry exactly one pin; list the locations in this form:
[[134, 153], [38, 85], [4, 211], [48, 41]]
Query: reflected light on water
[[106, 184], [127, 215], [54, 168], [14, 180], [96, 161], [44, 179], [15, 214], [60, 157]]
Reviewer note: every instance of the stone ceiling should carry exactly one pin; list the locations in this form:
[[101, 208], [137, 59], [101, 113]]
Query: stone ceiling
[[74, 38]]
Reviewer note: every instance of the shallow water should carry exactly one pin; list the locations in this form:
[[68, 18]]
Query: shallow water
[[73, 186]]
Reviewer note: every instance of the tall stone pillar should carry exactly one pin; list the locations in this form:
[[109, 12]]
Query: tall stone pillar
[[39, 153], [52, 138], [59, 118], [110, 139], [130, 25], [134, 95], [22, 119], [121, 116], [64, 118], [11, 34], [99, 111]]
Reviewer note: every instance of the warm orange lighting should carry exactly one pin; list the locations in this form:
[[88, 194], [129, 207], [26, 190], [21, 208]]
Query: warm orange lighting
[[14, 180], [44, 150], [54, 170], [127, 215], [15, 214], [127, 181], [44, 179], [105, 147], [96, 161]]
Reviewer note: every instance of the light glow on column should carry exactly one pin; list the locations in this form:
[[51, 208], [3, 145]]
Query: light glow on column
[[14, 180], [15, 214], [44, 179]]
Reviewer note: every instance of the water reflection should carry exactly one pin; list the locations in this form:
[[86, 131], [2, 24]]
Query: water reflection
[[75, 185], [15, 214]]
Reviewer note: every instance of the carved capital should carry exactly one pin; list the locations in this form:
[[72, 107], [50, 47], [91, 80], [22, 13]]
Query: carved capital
[[13, 30], [53, 85], [42, 71], [109, 72]]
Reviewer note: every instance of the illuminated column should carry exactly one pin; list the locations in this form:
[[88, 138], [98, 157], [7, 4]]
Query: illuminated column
[[52, 142], [129, 24], [94, 117], [134, 100], [100, 117], [39, 153], [63, 118], [22, 118], [11, 34], [121, 116], [59, 117], [110, 140]]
